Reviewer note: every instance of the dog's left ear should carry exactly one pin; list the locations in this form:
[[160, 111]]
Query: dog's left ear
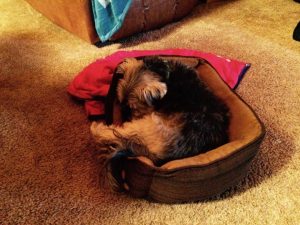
[[157, 65], [155, 90]]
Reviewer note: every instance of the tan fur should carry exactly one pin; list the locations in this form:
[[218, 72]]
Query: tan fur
[[152, 88], [138, 87], [148, 133], [154, 132]]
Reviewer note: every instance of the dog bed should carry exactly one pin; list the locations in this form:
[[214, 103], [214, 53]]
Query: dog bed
[[204, 175]]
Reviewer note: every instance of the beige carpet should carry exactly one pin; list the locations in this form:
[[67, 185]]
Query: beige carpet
[[48, 176]]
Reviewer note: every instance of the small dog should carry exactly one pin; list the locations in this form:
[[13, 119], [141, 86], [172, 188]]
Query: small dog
[[172, 113]]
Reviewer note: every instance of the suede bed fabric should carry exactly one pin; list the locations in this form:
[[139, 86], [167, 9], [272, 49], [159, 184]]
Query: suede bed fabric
[[47, 174]]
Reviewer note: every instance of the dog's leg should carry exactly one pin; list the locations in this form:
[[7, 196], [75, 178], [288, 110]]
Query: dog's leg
[[115, 138], [104, 136], [148, 136]]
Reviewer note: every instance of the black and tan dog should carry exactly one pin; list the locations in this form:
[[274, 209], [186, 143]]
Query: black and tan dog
[[173, 114]]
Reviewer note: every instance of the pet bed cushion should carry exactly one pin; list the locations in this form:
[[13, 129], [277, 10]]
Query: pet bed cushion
[[204, 175]]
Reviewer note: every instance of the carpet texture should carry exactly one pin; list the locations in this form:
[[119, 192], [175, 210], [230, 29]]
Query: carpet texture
[[47, 173]]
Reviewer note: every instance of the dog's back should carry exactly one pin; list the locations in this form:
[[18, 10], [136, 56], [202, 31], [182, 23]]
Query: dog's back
[[203, 117]]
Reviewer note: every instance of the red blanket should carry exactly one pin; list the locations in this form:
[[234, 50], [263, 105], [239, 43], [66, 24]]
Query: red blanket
[[93, 82]]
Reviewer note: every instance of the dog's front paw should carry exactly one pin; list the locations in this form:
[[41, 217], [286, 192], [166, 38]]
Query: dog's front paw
[[101, 132], [154, 91], [96, 128], [104, 136]]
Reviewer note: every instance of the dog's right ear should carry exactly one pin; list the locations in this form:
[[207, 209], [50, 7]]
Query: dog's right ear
[[155, 90], [128, 67], [157, 65]]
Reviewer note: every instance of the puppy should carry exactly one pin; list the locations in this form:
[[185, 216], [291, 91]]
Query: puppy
[[171, 113]]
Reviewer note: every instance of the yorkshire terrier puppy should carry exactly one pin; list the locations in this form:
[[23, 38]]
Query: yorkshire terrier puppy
[[170, 112]]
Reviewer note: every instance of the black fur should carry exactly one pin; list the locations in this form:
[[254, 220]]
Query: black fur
[[205, 117]]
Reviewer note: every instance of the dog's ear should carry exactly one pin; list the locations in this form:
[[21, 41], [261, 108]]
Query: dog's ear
[[128, 67], [155, 90], [157, 65]]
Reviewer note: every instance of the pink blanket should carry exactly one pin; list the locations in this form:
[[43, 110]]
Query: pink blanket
[[93, 82]]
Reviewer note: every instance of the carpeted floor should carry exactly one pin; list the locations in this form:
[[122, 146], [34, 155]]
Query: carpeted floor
[[48, 176]]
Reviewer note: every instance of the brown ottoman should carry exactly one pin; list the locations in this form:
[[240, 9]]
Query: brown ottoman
[[76, 16]]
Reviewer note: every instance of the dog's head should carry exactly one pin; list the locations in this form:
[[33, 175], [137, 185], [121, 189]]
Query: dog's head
[[142, 84]]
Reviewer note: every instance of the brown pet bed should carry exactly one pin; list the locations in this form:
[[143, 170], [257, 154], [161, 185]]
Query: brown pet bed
[[208, 174]]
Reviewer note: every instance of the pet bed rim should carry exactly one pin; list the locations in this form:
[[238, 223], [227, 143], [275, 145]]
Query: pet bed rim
[[211, 163]]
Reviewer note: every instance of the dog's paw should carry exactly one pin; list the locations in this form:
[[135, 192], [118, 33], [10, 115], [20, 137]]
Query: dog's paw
[[154, 91], [100, 131], [104, 136], [96, 128]]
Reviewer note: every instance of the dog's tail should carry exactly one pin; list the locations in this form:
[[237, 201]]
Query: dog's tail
[[114, 170]]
